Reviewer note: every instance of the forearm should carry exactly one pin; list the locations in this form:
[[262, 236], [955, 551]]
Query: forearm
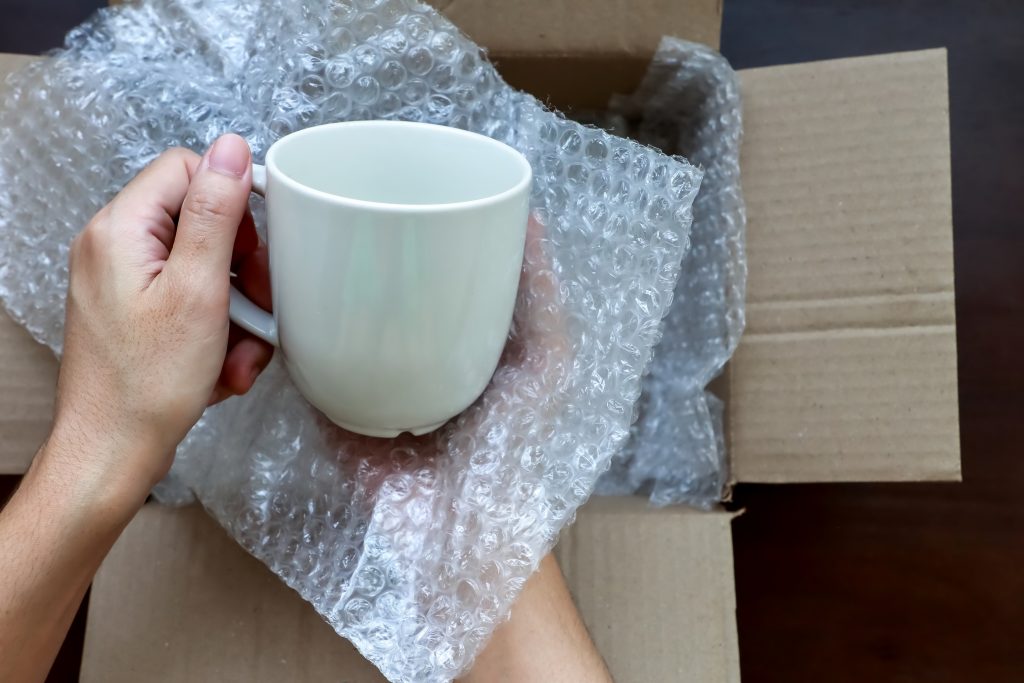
[[545, 639], [62, 520], [147, 346]]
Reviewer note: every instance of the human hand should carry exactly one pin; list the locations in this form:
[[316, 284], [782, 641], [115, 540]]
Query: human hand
[[148, 344]]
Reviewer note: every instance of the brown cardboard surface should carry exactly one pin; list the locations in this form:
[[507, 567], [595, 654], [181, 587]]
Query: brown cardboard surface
[[27, 381], [847, 370], [596, 27], [655, 588], [555, 27], [28, 372], [572, 83], [576, 55], [177, 600]]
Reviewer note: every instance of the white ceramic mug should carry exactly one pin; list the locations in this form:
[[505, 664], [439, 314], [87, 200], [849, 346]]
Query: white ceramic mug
[[395, 253]]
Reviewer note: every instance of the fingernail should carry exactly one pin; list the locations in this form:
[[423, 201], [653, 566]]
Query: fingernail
[[229, 156]]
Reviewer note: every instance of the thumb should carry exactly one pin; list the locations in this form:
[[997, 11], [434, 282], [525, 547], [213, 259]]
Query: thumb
[[216, 200]]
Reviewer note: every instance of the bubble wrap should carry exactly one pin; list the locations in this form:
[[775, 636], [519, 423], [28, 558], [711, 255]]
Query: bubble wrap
[[413, 548], [689, 104]]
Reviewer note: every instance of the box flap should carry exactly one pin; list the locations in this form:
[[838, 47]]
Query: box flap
[[29, 371], [27, 382], [583, 27], [656, 589], [587, 27], [574, 55], [177, 600], [847, 370]]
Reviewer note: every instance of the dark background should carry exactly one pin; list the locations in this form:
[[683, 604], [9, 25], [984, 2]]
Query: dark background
[[884, 583]]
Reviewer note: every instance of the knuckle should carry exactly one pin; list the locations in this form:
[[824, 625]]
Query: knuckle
[[208, 206]]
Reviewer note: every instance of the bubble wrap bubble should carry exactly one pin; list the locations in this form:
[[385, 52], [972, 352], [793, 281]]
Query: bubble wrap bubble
[[412, 548], [689, 104]]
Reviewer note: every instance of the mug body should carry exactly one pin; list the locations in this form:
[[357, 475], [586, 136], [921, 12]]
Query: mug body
[[395, 254]]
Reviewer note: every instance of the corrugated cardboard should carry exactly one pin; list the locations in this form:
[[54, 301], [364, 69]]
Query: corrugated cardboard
[[178, 601], [573, 55], [598, 27], [29, 371], [848, 371], [656, 589], [566, 27], [27, 381]]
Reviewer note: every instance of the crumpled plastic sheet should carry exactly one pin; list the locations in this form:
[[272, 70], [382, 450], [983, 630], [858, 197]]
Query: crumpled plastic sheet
[[413, 548], [689, 104]]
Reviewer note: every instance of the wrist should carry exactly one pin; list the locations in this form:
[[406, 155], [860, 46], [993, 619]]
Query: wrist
[[102, 471]]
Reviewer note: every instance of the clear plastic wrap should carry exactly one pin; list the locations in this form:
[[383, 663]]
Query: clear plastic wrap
[[413, 548], [689, 104]]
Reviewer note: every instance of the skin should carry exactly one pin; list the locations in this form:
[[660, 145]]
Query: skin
[[545, 640], [148, 346]]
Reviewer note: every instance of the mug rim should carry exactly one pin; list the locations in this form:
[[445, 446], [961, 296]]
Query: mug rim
[[524, 182]]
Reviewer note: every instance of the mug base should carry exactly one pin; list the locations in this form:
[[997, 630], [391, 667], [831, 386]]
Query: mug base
[[390, 433]]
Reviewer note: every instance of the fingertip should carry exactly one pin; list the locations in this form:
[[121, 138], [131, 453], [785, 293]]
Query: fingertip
[[244, 363], [229, 155]]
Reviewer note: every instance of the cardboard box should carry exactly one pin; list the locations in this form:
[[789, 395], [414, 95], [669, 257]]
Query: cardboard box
[[847, 371]]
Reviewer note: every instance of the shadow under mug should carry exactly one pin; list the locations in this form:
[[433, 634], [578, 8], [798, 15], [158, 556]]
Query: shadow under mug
[[395, 255]]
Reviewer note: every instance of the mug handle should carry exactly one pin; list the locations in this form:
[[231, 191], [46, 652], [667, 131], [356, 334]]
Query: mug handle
[[242, 311]]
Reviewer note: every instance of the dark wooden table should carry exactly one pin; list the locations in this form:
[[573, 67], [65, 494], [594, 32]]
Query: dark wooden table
[[909, 582], [880, 583]]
